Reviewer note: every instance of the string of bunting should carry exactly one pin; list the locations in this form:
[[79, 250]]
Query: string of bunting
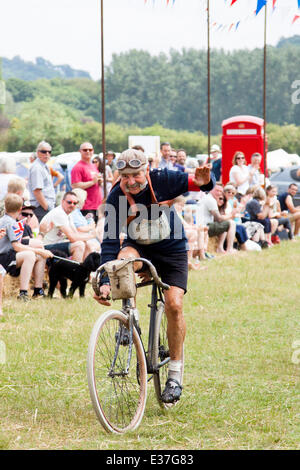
[[235, 25]]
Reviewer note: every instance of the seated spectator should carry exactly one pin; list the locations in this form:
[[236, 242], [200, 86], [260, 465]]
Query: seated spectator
[[25, 217], [17, 258], [233, 207], [240, 174], [2, 273], [255, 175], [258, 209], [218, 225], [278, 214], [288, 208], [85, 224], [60, 232]]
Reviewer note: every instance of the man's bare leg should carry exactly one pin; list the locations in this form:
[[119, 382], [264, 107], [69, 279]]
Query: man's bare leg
[[77, 250], [25, 260], [230, 237], [39, 271], [176, 324]]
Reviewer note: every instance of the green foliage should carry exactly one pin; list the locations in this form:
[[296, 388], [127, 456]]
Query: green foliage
[[163, 95], [42, 119]]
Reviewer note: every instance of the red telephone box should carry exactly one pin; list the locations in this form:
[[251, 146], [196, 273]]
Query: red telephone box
[[244, 133]]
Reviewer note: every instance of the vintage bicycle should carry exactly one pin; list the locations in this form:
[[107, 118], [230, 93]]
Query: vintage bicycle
[[118, 364]]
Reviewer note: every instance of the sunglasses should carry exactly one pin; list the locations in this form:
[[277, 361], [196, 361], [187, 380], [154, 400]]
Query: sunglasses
[[27, 214], [135, 163], [87, 150], [240, 158], [72, 202], [45, 151]]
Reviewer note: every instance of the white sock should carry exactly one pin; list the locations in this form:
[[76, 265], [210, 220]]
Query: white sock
[[175, 370]]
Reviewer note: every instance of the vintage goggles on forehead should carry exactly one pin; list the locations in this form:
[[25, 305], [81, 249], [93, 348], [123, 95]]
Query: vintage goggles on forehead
[[134, 163]]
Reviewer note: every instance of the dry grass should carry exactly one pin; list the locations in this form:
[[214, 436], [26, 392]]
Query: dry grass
[[241, 385]]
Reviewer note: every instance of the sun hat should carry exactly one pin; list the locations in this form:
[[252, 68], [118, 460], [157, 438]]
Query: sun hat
[[215, 148]]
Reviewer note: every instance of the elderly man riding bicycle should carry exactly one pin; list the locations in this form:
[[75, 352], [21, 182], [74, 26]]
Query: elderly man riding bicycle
[[140, 205]]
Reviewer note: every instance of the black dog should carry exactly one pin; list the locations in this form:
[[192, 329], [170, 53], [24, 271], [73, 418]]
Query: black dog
[[60, 271]]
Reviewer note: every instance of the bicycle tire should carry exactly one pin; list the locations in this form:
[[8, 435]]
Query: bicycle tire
[[118, 401], [160, 352]]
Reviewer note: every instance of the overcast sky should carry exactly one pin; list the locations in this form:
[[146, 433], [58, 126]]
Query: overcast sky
[[68, 31]]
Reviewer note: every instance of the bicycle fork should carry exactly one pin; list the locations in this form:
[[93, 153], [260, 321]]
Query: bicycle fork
[[124, 337]]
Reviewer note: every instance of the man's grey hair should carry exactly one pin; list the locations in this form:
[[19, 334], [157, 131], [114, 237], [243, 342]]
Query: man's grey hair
[[42, 144]]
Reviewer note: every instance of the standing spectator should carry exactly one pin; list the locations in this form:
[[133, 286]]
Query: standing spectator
[[110, 160], [108, 173], [240, 174], [85, 175], [216, 160], [255, 166], [41, 189], [165, 162], [7, 171], [287, 204]]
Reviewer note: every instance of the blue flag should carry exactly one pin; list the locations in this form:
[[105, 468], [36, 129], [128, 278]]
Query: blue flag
[[260, 5]]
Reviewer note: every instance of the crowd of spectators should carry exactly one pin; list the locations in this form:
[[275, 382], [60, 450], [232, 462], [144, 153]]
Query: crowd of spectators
[[46, 210]]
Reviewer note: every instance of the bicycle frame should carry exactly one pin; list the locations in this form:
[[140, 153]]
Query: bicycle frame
[[127, 309], [156, 297]]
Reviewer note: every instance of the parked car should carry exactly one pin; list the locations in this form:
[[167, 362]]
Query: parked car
[[282, 179]]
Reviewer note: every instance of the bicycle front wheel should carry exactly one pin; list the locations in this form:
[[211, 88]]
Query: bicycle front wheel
[[160, 355], [117, 378]]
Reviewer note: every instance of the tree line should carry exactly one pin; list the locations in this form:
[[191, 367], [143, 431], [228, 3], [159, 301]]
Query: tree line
[[162, 95]]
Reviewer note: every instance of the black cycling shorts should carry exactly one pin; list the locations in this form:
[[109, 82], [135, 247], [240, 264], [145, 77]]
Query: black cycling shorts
[[172, 268]]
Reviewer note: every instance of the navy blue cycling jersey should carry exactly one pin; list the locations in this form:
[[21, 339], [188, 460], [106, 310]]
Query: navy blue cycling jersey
[[167, 185]]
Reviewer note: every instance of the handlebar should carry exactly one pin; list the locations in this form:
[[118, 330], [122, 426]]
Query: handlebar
[[152, 269]]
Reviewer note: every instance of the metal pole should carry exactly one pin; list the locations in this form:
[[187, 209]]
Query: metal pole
[[103, 102], [208, 84], [264, 94]]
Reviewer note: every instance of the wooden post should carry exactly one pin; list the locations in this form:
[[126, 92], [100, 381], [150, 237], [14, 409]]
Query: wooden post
[[208, 82], [264, 95], [103, 103]]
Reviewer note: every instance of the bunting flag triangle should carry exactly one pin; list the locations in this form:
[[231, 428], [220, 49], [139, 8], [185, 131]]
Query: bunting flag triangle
[[260, 5], [295, 18], [232, 2], [299, 4], [274, 2]]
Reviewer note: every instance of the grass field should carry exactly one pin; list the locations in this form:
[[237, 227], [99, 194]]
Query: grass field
[[241, 373]]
